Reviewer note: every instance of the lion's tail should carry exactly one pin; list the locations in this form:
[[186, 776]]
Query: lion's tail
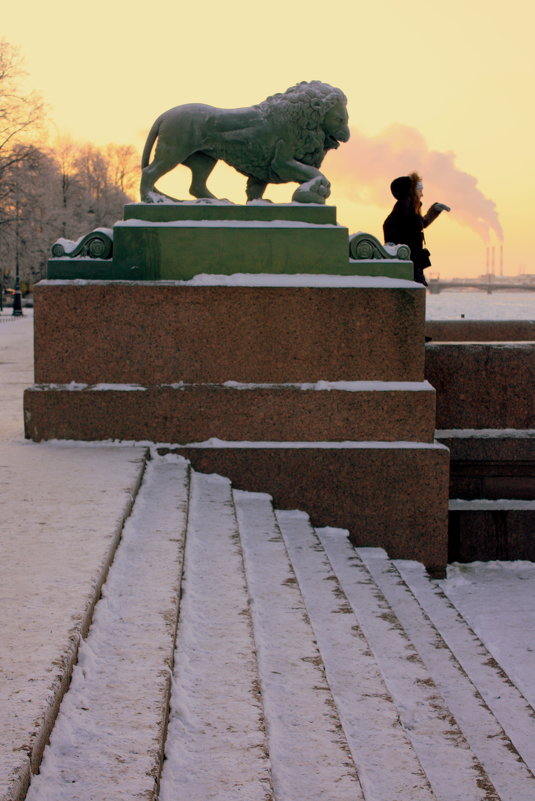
[[151, 138]]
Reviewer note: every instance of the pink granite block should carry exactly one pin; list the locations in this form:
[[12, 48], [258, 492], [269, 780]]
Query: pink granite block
[[492, 446], [492, 467], [480, 330], [199, 412], [395, 498], [118, 332], [483, 385], [488, 534], [492, 480]]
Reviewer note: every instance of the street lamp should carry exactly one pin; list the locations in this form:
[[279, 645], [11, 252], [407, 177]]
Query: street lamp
[[17, 297]]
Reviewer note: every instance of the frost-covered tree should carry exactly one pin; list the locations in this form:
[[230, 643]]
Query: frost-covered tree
[[31, 215], [104, 200], [21, 114], [123, 167], [95, 183], [47, 192], [21, 121], [61, 191]]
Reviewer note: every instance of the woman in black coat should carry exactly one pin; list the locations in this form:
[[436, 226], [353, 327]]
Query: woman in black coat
[[405, 223]]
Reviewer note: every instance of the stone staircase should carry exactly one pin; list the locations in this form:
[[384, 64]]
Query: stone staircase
[[299, 669]]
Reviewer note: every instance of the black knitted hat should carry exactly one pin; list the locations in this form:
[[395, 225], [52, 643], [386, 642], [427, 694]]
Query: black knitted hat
[[401, 187]]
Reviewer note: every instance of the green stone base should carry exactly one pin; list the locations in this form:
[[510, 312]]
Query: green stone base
[[260, 212], [183, 249], [91, 270], [378, 268], [100, 270], [177, 241]]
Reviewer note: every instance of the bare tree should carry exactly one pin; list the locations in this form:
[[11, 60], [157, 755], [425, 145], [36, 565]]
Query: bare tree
[[31, 214], [48, 192], [101, 183], [69, 190], [123, 167], [21, 115]]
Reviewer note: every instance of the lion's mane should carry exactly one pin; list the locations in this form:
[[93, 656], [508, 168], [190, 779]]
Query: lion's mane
[[304, 107], [299, 112]]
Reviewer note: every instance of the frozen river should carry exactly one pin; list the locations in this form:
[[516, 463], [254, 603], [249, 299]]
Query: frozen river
[[478, 305]]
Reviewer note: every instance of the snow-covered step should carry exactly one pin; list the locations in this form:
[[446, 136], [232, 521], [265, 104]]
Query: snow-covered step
[[495, 719], [426, 721], [366, 707], [107, 741], [216, 744], [302, 668], [309, 752]]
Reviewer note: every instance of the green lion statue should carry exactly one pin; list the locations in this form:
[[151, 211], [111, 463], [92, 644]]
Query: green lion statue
[[283, 139]]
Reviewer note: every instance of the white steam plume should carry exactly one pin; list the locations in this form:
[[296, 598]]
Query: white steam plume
[[365, 166]]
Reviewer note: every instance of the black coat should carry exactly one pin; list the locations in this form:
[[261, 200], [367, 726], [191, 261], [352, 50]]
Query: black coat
[[404, 226]]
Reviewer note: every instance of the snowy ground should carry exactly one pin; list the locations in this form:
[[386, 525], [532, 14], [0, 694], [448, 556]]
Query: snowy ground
[[61, 509], [498, 599], [61, 513]]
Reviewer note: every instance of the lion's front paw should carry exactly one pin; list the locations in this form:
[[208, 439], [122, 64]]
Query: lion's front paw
[[314, 191]]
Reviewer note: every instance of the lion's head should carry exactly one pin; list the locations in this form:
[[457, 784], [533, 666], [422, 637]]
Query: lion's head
[[316, 113]]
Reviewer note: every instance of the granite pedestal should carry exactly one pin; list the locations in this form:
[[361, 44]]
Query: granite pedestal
[[304, 385]]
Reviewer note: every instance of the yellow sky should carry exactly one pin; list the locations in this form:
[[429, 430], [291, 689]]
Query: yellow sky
[[454, 77]]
